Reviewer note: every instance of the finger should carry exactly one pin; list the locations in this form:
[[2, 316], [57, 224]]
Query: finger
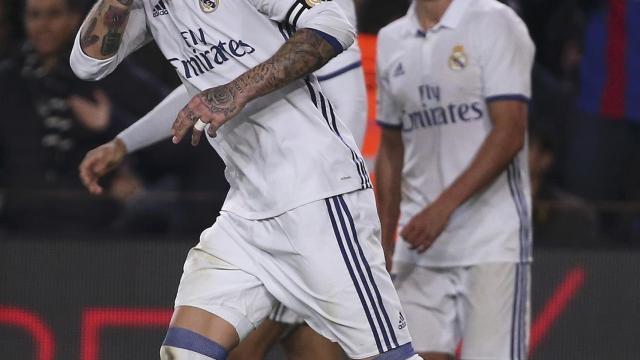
[[212, 130], [88, 176], [195, 136], [180, 127], [425, 244]]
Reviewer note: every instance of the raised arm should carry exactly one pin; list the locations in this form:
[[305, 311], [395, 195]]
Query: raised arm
[[323, 33], [112, 30]]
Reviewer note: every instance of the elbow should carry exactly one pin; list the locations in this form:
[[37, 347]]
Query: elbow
[[84, 72], [87, 68]]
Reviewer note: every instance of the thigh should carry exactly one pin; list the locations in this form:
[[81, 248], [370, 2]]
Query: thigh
[[496, 311], [428, 297], [258, 343], [303, 343], [217, 281], [336, 278]]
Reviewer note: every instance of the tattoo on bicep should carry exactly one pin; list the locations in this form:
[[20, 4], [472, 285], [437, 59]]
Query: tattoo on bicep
[[114, 20], [88, 38]]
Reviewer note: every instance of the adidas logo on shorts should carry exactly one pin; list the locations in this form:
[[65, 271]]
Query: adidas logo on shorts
[[160, 9], [402, 323]]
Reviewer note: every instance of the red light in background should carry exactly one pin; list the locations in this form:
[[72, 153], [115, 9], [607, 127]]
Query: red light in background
[[95, 319], [30, 322]]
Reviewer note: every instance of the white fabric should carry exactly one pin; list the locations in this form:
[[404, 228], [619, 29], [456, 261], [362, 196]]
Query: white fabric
[[434, 89], [280, 151], [487, 306], [155, 125], [348, 94], [295, 258]]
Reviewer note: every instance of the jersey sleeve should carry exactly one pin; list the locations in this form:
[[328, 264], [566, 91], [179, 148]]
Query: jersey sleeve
[[135, 36], [155, 125], [507, 57], [323, 16], [387, 112]]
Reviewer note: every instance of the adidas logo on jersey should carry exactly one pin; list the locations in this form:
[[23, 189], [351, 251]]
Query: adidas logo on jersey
[[402, 323], [160, 9], [399, 71]]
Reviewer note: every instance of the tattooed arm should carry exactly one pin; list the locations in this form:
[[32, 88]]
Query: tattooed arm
[[112, 30], [103, 28], [305, 52]]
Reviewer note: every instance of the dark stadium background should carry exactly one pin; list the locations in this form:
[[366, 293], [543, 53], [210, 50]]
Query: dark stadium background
[[94, 278]]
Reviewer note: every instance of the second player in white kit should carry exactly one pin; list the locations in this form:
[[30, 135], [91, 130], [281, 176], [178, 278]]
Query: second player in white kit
[[454, 82], [299, 224]]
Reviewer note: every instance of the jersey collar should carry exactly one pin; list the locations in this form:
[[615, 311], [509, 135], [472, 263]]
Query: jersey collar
[[450, 19]]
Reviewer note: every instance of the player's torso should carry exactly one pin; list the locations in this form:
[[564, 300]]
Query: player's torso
[[283, 150], [211, 42], [437, 80]]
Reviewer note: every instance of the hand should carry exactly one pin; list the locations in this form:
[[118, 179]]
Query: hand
[[388, 257], [94, 114], [214, 107], [100, 161], [424, 228]]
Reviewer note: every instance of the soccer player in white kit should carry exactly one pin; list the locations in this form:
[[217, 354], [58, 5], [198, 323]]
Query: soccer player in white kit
[[452, 175], [299, 224]]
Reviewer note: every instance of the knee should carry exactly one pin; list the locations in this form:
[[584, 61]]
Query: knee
[[183, 344]]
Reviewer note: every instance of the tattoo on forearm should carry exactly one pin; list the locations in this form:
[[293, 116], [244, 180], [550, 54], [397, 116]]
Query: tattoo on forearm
[[304, 53], [125, 2]]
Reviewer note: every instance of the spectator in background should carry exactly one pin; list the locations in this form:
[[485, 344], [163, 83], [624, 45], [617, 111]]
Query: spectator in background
[[603, 149], [559, 218], [50, 118]]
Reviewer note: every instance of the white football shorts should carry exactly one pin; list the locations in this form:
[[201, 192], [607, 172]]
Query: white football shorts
[[485, 306], [322, 260]]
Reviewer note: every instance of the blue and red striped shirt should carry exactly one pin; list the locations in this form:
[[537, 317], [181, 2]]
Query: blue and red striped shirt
[[610, 69]]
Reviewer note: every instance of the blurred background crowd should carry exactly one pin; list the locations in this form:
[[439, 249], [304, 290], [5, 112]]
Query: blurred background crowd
[[584, 128]]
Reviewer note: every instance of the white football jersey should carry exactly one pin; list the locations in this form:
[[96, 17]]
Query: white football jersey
[[434, 87], [284, 149], [350, 58]]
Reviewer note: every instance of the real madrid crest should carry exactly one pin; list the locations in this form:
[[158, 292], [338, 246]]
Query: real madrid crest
[[209, 6], [458, 59]]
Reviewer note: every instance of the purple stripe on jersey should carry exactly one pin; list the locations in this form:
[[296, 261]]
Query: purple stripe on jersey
[[331, 40], [339, 72], [189, 340], [593, 64], [508, 97], [632, 91]]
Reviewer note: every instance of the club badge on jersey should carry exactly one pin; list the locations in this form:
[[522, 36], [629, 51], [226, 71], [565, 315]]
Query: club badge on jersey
[[209, 6], [458, 59], [313, 3]]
